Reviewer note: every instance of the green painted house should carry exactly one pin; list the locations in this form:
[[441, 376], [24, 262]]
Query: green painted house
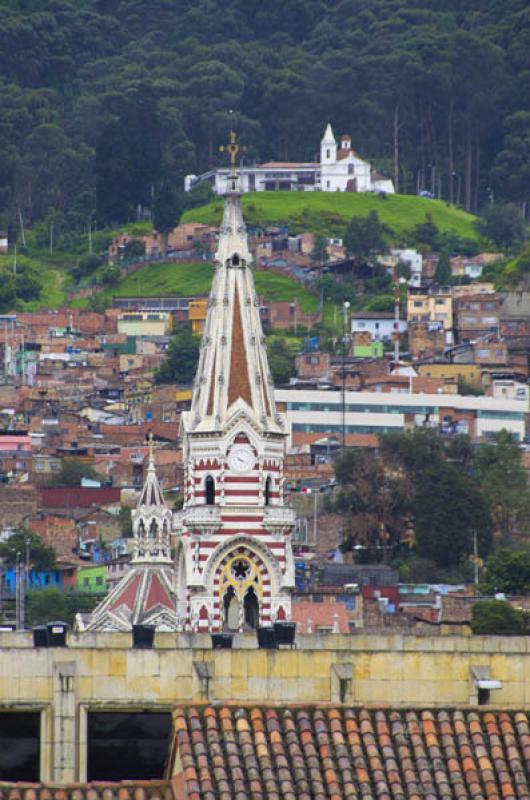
[[92, 579]]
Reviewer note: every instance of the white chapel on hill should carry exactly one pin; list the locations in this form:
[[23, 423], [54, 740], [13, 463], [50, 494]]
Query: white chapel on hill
[[340, 169]]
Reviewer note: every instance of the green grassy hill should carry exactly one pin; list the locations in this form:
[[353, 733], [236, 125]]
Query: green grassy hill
[[327, 213], [190, 279]]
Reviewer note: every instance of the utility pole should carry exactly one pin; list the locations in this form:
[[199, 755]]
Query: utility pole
[[345, 307], [20, 594], [315, 519], [395, 289], [475, 555], [28, 549]]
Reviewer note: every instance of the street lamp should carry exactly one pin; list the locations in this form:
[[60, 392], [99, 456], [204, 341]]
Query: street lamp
[[28, 547]]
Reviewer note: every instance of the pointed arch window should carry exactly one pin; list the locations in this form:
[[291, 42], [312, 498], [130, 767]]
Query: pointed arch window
[[327, 153], [268, 489], [209, 487], [251, 608], [235, 260]]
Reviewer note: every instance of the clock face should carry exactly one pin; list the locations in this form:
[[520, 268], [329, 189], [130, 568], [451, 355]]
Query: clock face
[[241, 459]]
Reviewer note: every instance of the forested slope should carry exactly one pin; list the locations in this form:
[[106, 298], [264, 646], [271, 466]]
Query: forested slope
[[102, 98]]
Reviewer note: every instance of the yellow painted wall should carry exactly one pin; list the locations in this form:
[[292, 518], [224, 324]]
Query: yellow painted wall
[[144, 327], [470, 373], [101, 671]]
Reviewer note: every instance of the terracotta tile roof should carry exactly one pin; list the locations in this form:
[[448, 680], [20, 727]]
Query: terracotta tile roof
[[235, 753], [97, 790], [322, 615]]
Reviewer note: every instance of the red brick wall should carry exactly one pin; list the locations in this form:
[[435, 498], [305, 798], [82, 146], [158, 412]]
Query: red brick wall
[[57, 532]]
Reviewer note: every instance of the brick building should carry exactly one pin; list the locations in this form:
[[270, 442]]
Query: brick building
[[475, 316]]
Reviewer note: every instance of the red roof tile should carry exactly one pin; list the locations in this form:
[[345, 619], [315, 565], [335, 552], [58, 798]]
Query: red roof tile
[[347, 754], [100, 790], [322, 615]]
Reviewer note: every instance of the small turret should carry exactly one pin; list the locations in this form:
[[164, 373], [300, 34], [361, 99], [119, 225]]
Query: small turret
[[151, 520]]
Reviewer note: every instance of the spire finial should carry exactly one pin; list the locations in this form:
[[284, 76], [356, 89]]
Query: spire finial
[[151, 450], [232, 148]]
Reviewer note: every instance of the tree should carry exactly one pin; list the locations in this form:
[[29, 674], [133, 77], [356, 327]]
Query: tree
[[86, 266], [426, 232], [375, 497], [281, 361], [449, 511], [497, 618], [48, 605], [200, 195], [442, 273], [507, 570], [126, 523], [180, 364], [167, 209], [404, 270], [320, 253], [135, 248], [41, 556], [503, 224], [110, 276], [364, 236], [72, 472], [502, 477], [470, 389], [416, 449], [511, 170]]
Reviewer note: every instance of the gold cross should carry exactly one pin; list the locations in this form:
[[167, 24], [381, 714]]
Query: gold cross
[[233, 148]]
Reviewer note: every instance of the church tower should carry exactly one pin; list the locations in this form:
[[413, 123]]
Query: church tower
[[234, 565], [145, 595], [328, 147]]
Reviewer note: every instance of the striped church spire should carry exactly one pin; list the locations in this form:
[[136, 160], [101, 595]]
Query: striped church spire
[[234, 563], [233, 372]]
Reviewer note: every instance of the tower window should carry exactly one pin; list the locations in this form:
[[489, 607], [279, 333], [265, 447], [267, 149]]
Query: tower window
[[235, 260], [209, 486], [327, 153], [268, 486]]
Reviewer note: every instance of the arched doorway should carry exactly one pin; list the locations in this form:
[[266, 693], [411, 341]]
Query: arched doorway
[[251, 609]]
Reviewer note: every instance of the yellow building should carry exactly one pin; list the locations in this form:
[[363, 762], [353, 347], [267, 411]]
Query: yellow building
[[431, 305], [470, 373], [145, 323], [197, 310]]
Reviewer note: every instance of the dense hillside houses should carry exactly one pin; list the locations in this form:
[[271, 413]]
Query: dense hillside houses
[[339, 169]]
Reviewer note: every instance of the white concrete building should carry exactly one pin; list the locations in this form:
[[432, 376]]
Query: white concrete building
[[314, 411], [380, 324], [340, 169]]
